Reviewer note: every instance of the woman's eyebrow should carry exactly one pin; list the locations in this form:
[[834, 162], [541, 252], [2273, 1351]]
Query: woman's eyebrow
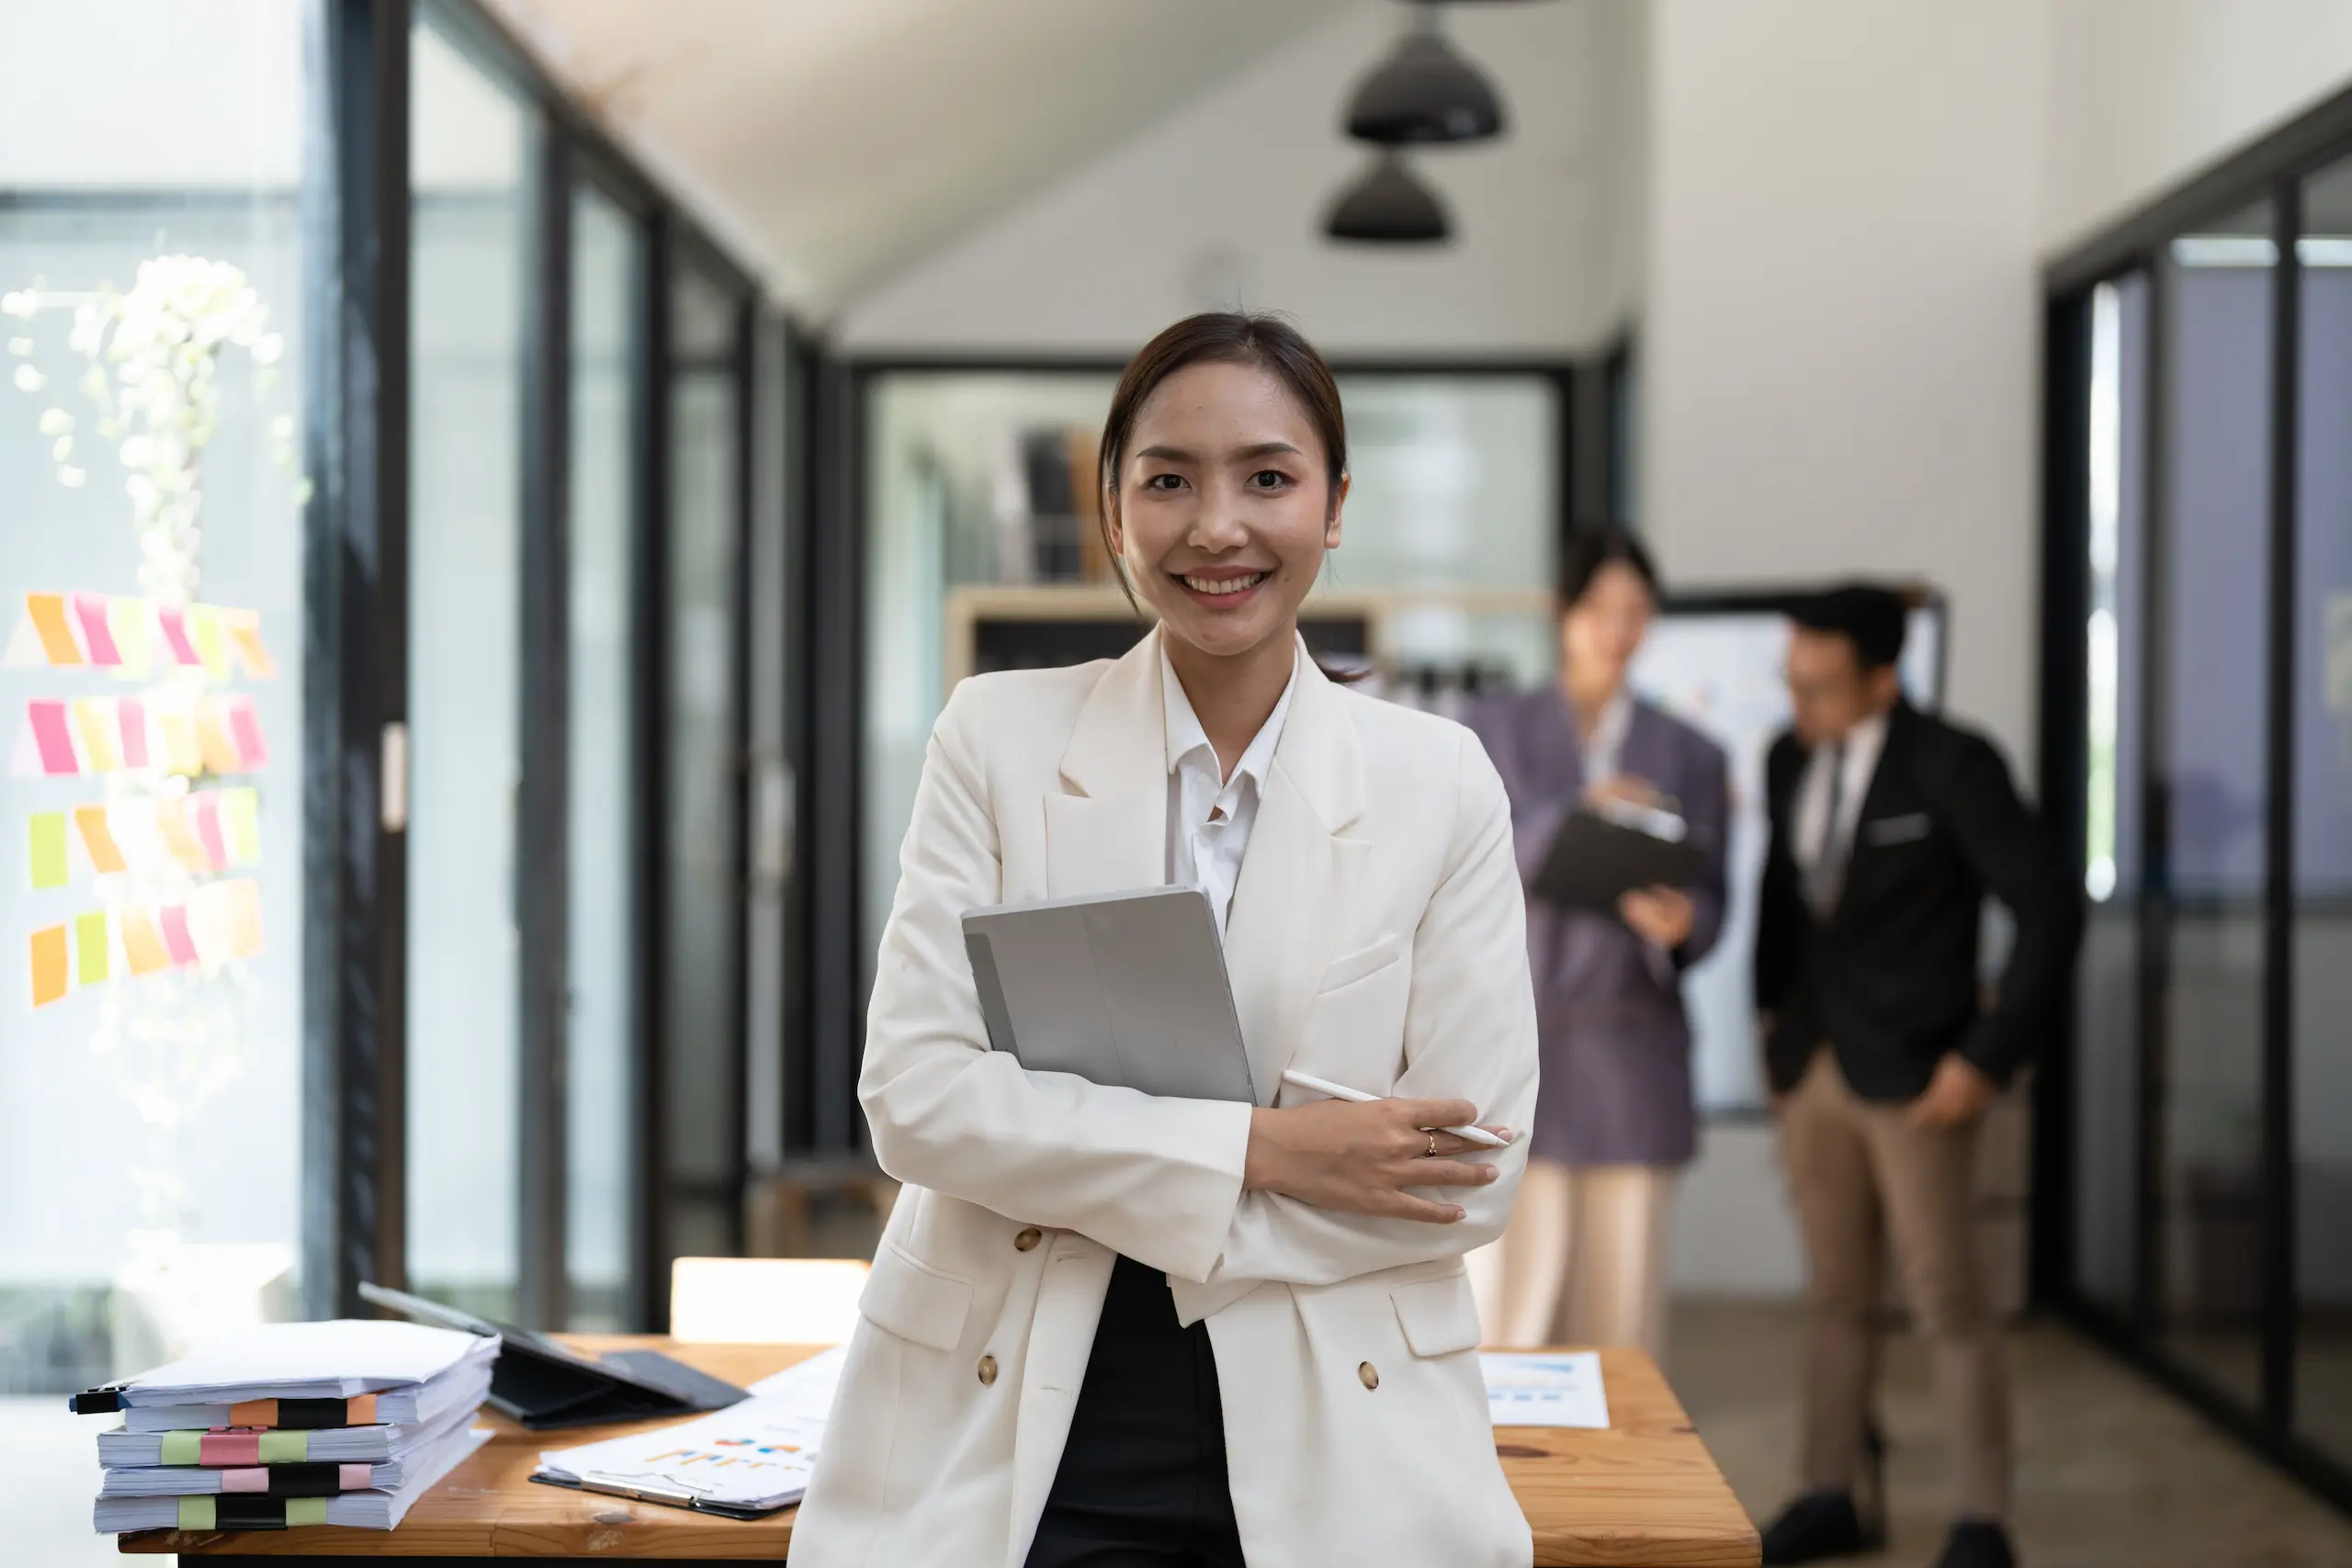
[[1238, 455]]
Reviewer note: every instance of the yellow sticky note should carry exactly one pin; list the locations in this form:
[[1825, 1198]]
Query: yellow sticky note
[[211, 648], [142, 945], [94, 720], [241, 825], [48, 964], [179, 835], [46, 849], [97, 840], [128, 619], [180, 753], [213, 740], [244, 917], [245, 640], [90, 946], [48, 614]]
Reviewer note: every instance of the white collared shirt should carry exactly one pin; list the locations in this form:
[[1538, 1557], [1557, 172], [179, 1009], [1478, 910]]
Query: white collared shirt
[[1813, 830], [1210, 817], [1607, 743]]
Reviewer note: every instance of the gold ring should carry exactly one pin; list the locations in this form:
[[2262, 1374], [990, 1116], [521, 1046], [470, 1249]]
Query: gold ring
[[1431, 1153]]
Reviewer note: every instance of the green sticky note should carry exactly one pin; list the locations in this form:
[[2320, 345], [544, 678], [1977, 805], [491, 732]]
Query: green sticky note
[[241, 825], [198, 1514], [90, 953], [305, 1511], [285, 1447], [48, 858], [183, 1448]]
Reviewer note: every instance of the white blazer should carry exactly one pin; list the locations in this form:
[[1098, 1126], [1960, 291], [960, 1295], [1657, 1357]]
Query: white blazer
[[1376, 939]]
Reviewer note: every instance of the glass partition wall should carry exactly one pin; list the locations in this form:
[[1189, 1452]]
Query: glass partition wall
[[2200, 661]]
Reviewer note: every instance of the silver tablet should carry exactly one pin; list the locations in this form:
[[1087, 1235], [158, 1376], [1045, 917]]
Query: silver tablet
[[1120, 989]]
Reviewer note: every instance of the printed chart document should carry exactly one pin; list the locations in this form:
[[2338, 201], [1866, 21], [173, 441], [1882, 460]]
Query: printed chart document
[[1545, 1390], [750, 1457]]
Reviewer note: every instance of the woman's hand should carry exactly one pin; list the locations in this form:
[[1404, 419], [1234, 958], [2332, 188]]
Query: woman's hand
[[1361, 1158], [1660, 915], [1627, 788]]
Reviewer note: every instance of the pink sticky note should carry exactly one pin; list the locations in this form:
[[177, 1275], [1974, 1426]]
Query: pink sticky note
[[254, 1480], [206, 812], [356, 1477], [177, 942], [134, 731], [176, 638], [90, 609], [48, 719], [244, 726]]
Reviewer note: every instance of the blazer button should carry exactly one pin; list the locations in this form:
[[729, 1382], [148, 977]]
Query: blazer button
[[1028, 1239], [1368, 1374], [988, 1371]]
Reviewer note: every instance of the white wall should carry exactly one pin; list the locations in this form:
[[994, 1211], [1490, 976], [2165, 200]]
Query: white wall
[[1222, 203], [2145, 91]]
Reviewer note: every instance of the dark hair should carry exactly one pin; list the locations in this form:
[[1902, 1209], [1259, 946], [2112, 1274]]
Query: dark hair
[[1871, 617], [1591, 546], [1229, 337]]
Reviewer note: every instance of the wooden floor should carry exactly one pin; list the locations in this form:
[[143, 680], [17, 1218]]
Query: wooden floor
[[2112, 1472]]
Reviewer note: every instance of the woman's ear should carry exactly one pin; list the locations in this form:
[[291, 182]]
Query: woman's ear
[[1332, 519]]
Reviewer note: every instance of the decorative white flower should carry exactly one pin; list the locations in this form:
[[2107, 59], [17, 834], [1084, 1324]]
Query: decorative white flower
[[22, 347], [20, 304], [72, 479], [29, 379], [56, 422], [61, 449]]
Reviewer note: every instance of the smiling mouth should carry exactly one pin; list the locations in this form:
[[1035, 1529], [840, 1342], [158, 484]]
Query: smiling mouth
[[1223, 587]]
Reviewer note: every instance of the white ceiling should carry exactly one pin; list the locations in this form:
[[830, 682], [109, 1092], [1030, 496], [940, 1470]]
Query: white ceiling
[[834, 140]]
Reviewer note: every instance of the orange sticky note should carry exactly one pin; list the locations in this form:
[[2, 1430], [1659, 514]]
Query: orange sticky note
[[244, 917], [48, 613], [213, 740], [180, 752], [49, 964], [97, 840], [142, 945], [244, 635], [179, 835], [101, 732]]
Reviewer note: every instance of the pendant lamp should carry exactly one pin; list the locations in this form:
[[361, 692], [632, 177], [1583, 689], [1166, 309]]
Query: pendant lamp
[[1389, 206], [1424, 92]]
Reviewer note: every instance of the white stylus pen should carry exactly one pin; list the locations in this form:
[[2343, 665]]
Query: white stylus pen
[[1477, 1135]]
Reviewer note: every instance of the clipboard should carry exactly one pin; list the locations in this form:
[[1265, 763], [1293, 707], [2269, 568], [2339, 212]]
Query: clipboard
[[1600, 854], [639, 1491]]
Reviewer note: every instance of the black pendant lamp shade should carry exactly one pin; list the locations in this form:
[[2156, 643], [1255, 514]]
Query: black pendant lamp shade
[[1389, 206], [1424, 92]]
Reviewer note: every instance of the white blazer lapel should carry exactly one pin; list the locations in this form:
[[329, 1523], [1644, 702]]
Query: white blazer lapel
[[1111, 835], [1299, 875]]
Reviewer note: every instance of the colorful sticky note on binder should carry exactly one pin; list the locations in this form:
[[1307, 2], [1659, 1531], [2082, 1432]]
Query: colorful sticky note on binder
[[241, 825], [244, 728], [244, 637], [101, 733], [177, 942], [47, 953], [204, 630], [142, 945], [205, 810], [97, 840], [131, 715], [45, 853], [172, 620], [47, 612], [56, 747], [214, 740], [90, 953], [90, 610], [179, 835], [128, 620]]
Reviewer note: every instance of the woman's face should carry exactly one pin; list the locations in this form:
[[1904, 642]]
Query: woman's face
[[1221, 509], [1602, 630]]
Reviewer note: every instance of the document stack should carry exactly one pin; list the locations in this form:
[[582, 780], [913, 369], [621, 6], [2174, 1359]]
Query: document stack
[[344, 1423]]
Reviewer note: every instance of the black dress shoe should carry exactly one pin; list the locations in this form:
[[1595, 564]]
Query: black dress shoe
[[1817, 1525], [1975, 1544]]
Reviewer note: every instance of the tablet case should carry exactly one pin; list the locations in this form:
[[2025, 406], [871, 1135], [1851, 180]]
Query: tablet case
[[1593, 861]]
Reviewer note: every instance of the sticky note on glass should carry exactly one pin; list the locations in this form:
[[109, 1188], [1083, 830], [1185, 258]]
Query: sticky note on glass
[[205, 813], [177, 941], [213, 740], [131, 715], [97, 840], [101, 733], [128, 620], [211, 648], [47, 613], [172, 621], [46, 849], [245, 915], [90, 953], [142, 945], [90, 613], [241, 825], [48, 966], [244, 730], [244, 637], [172, 822], [50, 738], [180, 752]]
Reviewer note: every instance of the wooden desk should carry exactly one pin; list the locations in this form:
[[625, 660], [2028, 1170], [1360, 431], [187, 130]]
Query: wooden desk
[[1643, 1495]]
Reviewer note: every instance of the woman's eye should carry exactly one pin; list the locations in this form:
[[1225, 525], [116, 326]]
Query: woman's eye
[[1269, 478], [1164, 482]]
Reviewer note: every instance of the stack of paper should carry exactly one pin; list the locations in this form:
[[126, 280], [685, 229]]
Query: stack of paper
[[750, 1457], [343, 1423], [1556, 1389]]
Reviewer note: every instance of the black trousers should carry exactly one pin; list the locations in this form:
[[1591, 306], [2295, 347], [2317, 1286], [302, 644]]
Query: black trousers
[[1142, 1482]]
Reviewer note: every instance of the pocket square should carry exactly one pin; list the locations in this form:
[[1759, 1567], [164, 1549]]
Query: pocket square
[[1896, 829]]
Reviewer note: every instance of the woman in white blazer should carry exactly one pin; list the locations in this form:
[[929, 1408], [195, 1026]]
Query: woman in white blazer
[[1105, 1328]]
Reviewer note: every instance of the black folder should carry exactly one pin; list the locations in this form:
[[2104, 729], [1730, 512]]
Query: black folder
[[1597, 858], [543, 1384]]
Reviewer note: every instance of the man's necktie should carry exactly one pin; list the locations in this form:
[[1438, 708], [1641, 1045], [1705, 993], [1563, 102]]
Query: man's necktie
[[1829, 860]]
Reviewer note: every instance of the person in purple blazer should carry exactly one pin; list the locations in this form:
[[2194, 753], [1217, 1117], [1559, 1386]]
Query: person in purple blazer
[[1584, 1258]]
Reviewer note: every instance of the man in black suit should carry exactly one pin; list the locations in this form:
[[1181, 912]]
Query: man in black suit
[[1889, 828]]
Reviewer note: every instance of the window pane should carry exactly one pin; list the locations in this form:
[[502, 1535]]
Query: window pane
[[469, 140], [701, 1046], [2106, 1148], [182, 1219], [2213, 778], [607, 380], [2323, 948]]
